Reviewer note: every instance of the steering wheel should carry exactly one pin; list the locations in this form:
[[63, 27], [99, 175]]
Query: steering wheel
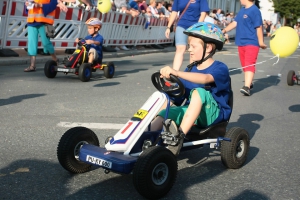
[[173, 87], [81, 42]]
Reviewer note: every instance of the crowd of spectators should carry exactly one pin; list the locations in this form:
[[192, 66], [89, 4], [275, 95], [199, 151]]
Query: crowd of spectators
[[135, 8], [222, 19]]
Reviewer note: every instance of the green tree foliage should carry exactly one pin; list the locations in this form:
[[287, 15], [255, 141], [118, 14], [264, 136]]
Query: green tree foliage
[[290, 9]]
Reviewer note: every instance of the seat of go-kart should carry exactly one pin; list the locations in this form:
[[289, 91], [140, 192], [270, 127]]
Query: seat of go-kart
[[213, 131]]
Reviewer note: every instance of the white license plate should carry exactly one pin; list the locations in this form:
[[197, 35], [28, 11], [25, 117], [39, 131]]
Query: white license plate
[[62, 70], [98, 161]]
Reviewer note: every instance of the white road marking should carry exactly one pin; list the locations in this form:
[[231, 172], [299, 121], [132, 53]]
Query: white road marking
[[91, 125]]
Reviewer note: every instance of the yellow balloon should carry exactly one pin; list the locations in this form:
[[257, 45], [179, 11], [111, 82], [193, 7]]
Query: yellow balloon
[[284, 41], [104, 6]]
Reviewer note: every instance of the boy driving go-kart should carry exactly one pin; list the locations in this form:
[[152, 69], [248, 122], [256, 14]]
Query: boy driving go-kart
[[94, 40], [147, 144], [207, 86], [88, 56]]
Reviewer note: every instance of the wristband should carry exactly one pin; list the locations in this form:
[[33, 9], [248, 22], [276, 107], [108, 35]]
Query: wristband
[[168, 27]]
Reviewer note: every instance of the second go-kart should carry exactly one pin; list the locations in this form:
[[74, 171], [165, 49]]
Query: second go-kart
[[136, 150], [77, 64], [292, 78]]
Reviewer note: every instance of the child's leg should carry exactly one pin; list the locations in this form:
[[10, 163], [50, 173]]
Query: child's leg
[[192, 113], [251, 53], [93, 55]]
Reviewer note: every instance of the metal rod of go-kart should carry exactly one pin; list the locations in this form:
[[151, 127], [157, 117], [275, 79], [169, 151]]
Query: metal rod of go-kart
[[206, 141], [198, 142]]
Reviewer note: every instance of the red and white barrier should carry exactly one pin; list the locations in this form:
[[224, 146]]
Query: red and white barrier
[[3, 21], [117, 29]]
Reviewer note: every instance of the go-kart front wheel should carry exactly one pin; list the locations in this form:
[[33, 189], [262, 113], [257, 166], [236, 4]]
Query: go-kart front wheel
[[290, 78], [155, 172], [69, 147], [49, 69], [85, 72], [234, 153], [109, 70]]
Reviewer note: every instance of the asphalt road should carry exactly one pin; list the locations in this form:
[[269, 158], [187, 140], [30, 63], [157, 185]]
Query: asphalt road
[[34, 111]]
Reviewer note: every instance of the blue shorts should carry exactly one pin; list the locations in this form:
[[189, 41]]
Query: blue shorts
[[180, 37]]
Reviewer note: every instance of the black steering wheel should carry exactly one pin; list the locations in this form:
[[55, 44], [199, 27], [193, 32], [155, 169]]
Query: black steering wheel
[[173, 87], [81, 42]]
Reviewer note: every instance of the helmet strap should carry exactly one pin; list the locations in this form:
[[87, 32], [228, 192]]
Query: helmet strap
[[199, 62]]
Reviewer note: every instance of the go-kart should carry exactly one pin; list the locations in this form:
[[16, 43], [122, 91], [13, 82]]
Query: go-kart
[[138, 150], [292, 78], [78, 64]]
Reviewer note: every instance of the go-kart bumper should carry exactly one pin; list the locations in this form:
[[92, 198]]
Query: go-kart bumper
[[100, 157], [64, 69]]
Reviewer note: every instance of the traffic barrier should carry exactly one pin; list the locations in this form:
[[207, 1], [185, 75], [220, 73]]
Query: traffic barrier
[[3, 17], [118, 28]]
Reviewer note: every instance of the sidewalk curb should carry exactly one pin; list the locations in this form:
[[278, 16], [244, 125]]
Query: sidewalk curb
[[8, 61]]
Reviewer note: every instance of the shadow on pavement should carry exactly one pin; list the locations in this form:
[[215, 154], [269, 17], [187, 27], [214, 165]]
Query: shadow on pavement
[[295, 108], [18, 99], [107, 84], [250, 194], [263, 83], [249, 122]]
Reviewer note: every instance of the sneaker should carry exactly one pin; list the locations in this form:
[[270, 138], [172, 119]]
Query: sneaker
[[172, 137], [251, 86], [124, 48], [245, 90], [117, 48]]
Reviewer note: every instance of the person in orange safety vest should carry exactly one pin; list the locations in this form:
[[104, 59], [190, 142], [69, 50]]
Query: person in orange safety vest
[[40, 13]]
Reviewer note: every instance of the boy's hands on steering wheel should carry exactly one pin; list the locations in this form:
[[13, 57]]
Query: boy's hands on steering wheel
[[166, 71]]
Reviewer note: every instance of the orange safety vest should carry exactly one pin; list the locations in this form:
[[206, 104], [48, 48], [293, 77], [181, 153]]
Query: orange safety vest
[[37, 15]]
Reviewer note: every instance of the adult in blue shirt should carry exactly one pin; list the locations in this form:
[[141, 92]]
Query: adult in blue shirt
[[195, 12]]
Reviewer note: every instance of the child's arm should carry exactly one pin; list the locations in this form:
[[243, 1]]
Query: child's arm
[[230, 26], [260, 36], [202, 17], [97, 43], [189, 76]]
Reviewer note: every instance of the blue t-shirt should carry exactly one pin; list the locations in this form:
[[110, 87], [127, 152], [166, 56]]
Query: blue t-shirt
[[220, 89], [193, 12], [98, 48], [134, 5], [247, 21]]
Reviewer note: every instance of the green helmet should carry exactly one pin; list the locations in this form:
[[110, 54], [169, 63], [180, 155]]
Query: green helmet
[[208, 32]]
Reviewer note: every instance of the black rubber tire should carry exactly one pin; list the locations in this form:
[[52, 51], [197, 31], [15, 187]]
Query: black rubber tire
[[85, 72], [109, 70], [153, 161], [69, 146], [234, 153], [290, 77], [49, 69]]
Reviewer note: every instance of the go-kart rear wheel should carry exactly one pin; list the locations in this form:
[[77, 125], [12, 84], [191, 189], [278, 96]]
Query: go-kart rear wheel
[[290, 78], [234, 153], [155, 172], [49, 69], [69, 147], [109, 70], [85, 72]]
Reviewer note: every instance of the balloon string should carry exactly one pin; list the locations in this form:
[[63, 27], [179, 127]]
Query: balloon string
[[277, 56]]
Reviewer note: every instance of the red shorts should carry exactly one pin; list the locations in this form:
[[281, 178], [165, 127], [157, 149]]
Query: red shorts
[[248, 56]]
